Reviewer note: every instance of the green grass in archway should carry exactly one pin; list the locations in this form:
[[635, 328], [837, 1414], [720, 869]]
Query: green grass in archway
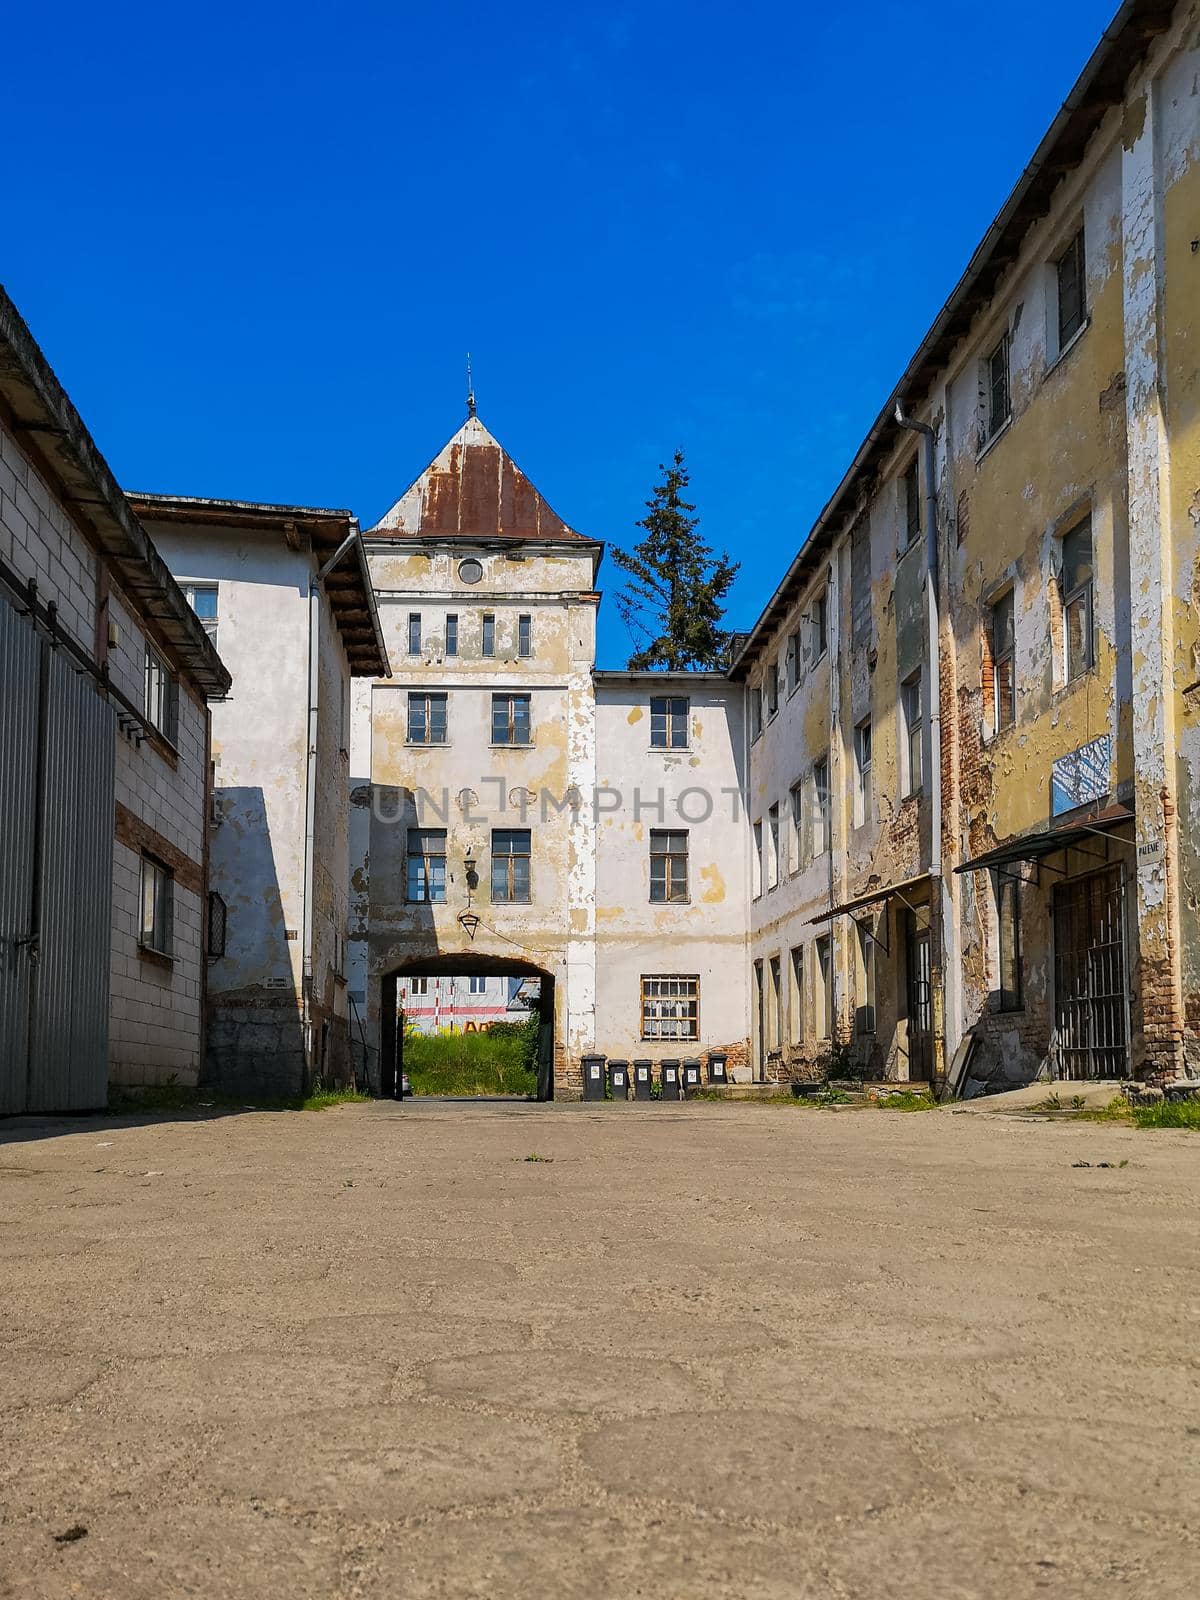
[[501, 1061]]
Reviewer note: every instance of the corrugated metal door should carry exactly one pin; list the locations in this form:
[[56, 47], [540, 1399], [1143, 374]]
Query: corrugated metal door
[[57, 787]]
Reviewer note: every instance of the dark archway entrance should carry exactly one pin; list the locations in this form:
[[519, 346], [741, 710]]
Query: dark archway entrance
[[466, 965]]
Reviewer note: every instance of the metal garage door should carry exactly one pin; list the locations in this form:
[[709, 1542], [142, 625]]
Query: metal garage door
[[57, 755]]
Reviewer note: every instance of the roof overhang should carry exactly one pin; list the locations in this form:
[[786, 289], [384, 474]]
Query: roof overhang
[[649, 675], [906, 889], [35, 407], [348, 585], [1099, 87], [1049, 841]]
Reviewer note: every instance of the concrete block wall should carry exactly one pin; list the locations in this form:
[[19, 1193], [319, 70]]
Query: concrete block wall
[[39, 541]]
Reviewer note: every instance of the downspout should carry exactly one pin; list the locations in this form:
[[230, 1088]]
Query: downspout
[[315, 589], [932, 755]]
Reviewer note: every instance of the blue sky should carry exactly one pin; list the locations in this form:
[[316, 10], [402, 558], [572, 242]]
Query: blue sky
[[256, 241]]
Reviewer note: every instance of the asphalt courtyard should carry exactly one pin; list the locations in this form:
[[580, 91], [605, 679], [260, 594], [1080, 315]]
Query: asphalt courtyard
[[686, 1352]]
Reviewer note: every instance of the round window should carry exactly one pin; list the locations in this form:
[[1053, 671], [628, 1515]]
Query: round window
[[470, 571]]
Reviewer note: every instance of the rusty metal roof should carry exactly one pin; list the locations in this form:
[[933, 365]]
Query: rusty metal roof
[[36, 408], [473, 490], [351, 593]]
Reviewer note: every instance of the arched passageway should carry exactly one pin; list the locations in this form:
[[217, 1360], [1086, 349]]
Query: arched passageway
[[464, 965]]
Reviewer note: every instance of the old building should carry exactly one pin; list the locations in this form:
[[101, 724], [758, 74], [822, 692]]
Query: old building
[[285, 592], [104, 677], [973, 706], [519, 814]]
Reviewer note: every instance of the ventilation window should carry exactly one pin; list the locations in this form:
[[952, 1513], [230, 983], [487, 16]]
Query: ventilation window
[[470, 571]]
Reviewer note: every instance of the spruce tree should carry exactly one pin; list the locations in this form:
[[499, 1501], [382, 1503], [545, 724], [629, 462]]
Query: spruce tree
[[673, 599]]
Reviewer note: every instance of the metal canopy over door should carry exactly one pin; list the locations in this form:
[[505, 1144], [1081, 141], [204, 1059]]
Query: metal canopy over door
[[57, 758], [920, 997], [1090, 999]]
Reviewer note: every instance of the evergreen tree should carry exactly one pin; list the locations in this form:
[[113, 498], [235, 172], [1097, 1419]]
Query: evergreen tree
[[673, 599]]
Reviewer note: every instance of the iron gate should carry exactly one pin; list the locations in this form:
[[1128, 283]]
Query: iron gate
[[1090, 999], [57, 756], [920, 1000]]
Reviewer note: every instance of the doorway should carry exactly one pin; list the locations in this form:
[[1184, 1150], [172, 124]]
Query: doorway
[[1090, 999], [919, 996]]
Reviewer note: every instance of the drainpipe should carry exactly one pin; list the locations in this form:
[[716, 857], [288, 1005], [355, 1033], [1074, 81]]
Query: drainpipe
[[932, 685], [315, 589]]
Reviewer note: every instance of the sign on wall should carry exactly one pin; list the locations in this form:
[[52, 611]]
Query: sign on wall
[[1082, 776]]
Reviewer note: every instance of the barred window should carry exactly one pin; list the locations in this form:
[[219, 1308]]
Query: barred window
[[426, 718], [426, 877], [216, 925], [669, 722], [670, 1007], [668, 864], [510, 865], [510, 719]]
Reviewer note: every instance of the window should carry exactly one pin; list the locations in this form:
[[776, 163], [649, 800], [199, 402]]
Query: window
[[162, 695], [470, 570], [911, 720], [864, 1011], [202, 597], [670, 1008], [773, 846], [775, 1018], [489, 634], [796, 995], [912, 504], [860, 581], [510, 719], [795, 826], [217, 921], [1077, 600], [824, 987], [452, 634], [862, 774], [158, 905], [1002, 640], [793, 660], [772, 689], [1072, 291], [414, 633], [668, 864], [997, 402], [476, 985], [510, 866], [418, 986], [1008, 906], [427, 865], [668, 722], [820, 806], [820, 624], [426, 717], [756, 865], [524, 635], [755, 712]]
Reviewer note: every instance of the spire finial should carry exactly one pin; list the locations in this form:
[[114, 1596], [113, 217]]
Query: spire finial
[[470, 389]]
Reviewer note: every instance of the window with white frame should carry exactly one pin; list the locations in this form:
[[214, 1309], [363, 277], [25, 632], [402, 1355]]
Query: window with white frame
[[1078, 601], [476, 985], [670, 1007], [862, 773], [156, 929], [911, 723], [203, 597], [418, 987], [161, 695]]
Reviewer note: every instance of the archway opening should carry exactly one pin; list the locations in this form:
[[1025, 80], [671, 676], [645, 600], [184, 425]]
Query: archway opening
[[468, 1026]]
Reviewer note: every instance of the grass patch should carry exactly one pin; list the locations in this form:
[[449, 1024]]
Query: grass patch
[[471, 1063], [176, 1097], [322, 1099], [1168, 1114], [906, 1100]]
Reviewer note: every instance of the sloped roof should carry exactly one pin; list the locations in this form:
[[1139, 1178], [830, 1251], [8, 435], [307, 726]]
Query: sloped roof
[[473, 490]]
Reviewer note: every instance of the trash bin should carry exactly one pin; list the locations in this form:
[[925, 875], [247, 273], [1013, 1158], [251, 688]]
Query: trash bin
[[716, 1066], [671, 1086], [691, 1075], [643, 1077], [618, 1080], [593, 1077]]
